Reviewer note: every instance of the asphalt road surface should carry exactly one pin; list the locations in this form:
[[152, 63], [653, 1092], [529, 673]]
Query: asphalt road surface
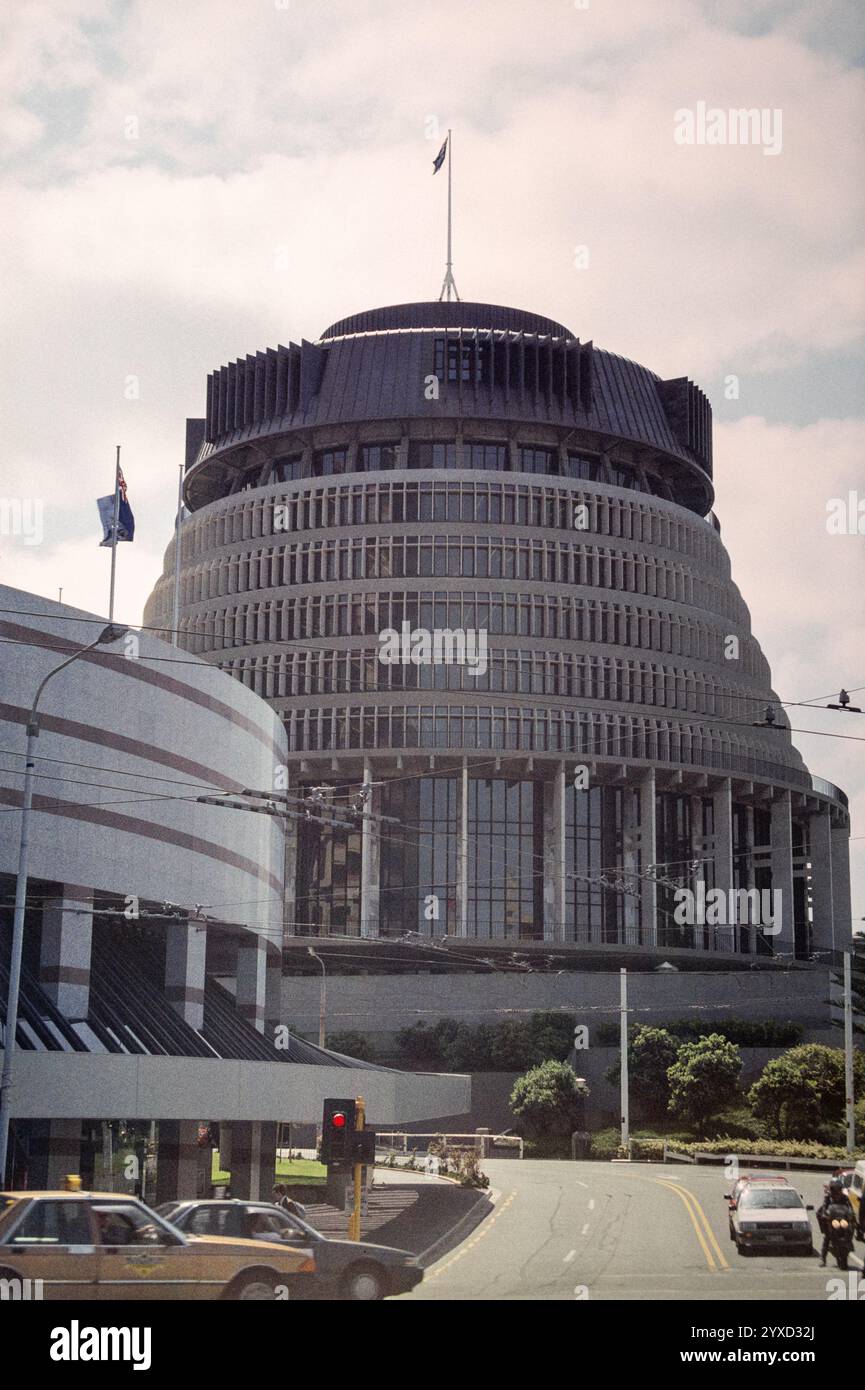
[[621, 1231]]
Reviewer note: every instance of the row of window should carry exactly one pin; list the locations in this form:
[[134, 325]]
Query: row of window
[[489, 503], [565, 618], [585, 733], [492, 457], [320, 672], [459, 557]]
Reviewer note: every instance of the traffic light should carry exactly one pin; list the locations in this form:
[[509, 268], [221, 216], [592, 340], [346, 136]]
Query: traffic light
[[337, 1128], [362, 1146]]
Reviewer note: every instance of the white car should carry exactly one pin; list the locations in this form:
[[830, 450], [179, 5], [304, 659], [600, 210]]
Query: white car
[[770, 1214]]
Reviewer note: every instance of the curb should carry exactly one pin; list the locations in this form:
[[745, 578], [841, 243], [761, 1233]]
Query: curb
[[428, 1256]]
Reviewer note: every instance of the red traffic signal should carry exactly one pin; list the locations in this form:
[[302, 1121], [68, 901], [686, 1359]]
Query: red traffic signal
[[337, 1123]]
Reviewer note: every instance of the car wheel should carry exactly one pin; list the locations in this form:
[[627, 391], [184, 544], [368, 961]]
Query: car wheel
[[742, 1249], [258, 1288], [363, 1283]]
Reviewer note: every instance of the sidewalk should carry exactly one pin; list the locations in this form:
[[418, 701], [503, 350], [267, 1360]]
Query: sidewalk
[[411, 1214]]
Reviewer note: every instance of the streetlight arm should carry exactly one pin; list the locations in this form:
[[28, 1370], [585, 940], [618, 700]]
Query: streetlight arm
[[108, 634]]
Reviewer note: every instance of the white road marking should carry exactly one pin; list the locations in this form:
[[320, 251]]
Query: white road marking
[[571, 1255], [585, 1228]]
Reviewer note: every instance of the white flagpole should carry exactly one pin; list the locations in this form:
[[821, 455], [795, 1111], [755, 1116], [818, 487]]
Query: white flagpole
[[449, 283], [114, 535]]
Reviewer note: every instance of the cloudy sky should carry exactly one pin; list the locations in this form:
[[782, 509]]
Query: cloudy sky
[[183, 184]]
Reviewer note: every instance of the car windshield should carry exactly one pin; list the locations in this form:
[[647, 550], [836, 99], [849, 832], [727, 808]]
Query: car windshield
[[770, 1197]]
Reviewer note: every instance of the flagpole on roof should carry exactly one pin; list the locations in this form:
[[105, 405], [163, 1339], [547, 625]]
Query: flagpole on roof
[[114, 535], [449, 283]]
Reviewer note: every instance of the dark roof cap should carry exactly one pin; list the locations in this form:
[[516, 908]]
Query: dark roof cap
[[446, 314]]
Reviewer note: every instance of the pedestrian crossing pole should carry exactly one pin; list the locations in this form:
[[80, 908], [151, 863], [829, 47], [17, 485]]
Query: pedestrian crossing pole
[[354, 1219]]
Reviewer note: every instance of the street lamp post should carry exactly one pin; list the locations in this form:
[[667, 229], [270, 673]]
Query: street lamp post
[[322, 997], [111, 633]]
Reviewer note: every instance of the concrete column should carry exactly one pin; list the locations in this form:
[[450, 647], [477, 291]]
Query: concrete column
[[370, 862], [463, 852], [782, 942], [251, 977], [842, 908], [290, 901], [631, 866], [722, 815], [252, 1159], [648, 855], [749, 875], [554, 856], [272, 995], [64, 960], [722, 858], [185, 951], [822, 895], [178, 1160], [55, 1150]]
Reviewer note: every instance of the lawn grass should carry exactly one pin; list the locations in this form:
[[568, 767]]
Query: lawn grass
[[288, 1170]]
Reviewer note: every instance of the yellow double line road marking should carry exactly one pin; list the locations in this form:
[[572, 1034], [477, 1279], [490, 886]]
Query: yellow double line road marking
[[705, 1235]]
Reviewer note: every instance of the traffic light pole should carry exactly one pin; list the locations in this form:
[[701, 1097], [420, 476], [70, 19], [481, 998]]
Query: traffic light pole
[[354, 1219]]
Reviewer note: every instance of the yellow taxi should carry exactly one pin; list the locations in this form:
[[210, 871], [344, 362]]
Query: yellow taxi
[[105, 1245]]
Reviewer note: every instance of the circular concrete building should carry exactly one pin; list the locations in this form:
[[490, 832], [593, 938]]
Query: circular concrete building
[[472, 563]]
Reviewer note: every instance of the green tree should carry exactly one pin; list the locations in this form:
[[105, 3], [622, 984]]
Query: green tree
[[704, 1079], [651, 1053], [549, 1100], [804, 1088]]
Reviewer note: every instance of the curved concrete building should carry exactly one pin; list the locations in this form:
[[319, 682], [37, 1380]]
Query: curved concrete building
[[140, 898], [472, 563]]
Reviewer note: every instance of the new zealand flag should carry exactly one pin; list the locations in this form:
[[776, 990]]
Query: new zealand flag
[[125, 519]]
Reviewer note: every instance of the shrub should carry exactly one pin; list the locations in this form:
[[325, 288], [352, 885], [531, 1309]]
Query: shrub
[[745, 1032], [651, 1053], [469, 1171], [784, 1148], [652, 1149], [803, 1090], [549, 1100], [514, 1045], [704, 1079]]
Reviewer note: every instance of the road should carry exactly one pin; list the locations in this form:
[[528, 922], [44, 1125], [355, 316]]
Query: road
[[619, 1231]]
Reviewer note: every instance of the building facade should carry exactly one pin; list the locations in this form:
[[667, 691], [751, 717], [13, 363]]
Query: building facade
[[472, 564], [141, 899]]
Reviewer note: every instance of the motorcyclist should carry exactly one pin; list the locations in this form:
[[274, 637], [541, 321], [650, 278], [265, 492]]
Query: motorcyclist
[[836, 1207]]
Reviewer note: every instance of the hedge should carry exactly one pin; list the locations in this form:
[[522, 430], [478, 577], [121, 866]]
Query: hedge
[[743, 1031], [784, 1148]]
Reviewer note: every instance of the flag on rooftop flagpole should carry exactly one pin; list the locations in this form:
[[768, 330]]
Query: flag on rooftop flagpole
[[125, 519], [440, 157]]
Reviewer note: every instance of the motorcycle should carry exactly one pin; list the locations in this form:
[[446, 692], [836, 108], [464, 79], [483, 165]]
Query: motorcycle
[[840, 1238]]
